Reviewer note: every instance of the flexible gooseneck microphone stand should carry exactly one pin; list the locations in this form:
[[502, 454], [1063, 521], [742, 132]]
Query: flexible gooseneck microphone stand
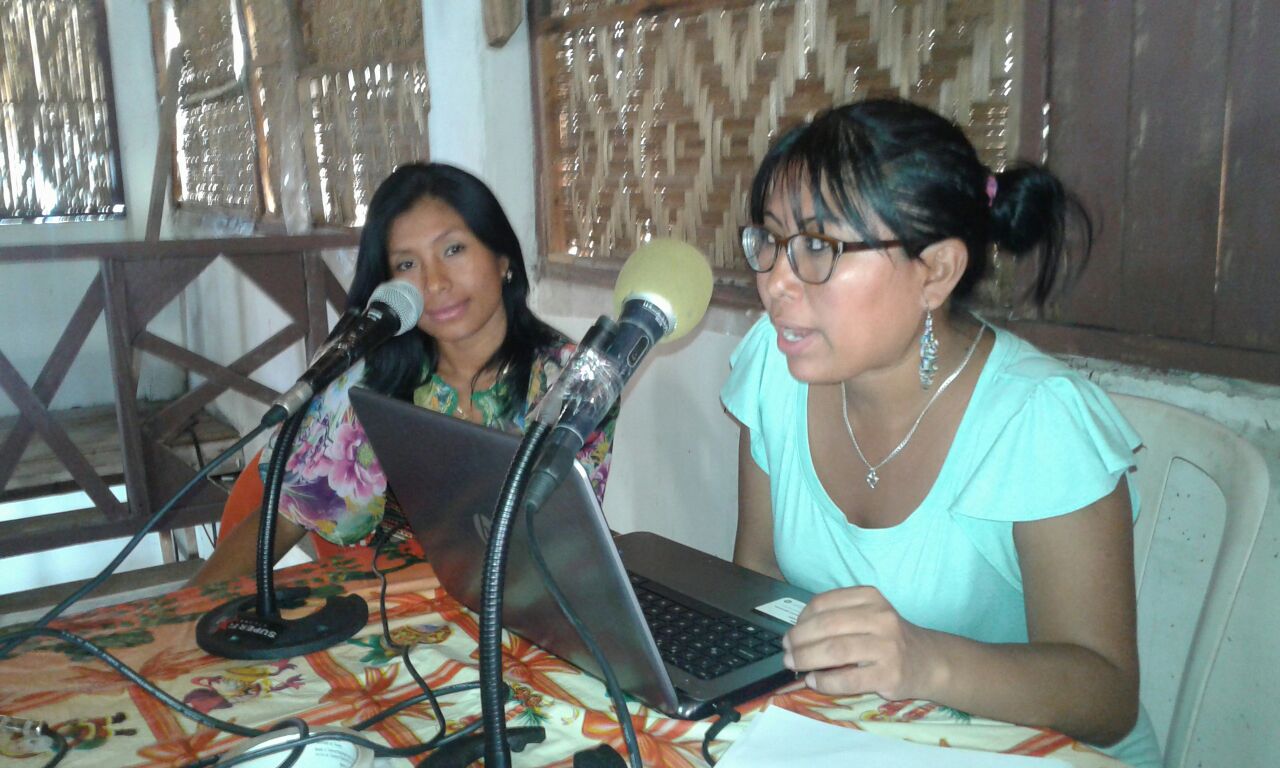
[[251, 627], [660, 277], [497, 751]]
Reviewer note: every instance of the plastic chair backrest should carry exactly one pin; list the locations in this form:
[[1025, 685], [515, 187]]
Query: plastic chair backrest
[[1171, 434]]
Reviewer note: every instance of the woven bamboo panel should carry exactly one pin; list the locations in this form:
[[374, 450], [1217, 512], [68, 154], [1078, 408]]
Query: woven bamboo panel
[[364, 122], [57, 134], [349, 78], [216, 150], [365, 94], [571, 7], [340, 33], [655, 118]]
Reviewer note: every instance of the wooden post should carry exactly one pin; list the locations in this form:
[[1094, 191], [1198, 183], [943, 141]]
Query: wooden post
[[164, 144], [501, 19]]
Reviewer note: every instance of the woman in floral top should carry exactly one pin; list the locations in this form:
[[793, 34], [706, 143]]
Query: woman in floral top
[[478, 354]]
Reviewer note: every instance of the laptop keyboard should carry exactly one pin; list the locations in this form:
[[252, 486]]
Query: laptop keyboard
[[697, 638]]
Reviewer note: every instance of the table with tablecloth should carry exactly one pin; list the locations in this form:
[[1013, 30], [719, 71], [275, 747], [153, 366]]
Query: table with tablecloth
[[108, 721]]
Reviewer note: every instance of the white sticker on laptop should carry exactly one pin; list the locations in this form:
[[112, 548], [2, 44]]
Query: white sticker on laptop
[[784, 609]]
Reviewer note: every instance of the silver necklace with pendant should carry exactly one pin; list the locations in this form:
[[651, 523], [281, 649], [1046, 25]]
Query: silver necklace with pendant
[[873, 474]]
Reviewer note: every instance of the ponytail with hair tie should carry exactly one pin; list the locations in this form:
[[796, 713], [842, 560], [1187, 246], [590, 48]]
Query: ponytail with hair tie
[[912, 170]]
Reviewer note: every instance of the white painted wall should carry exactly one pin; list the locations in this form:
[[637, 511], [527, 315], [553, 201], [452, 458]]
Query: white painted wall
[[675, 459], [481, 108]]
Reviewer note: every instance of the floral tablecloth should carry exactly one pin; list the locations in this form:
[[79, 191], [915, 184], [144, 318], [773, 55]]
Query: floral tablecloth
[[111, 722]]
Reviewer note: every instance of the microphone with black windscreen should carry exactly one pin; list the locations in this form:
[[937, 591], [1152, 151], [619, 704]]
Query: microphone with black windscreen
[[252, 627], [393, 309]]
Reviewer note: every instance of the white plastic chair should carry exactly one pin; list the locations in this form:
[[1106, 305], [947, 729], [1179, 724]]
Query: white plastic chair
[[1170, 433]]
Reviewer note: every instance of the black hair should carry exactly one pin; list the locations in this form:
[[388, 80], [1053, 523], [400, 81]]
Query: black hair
[[407, 361], [915, 171]]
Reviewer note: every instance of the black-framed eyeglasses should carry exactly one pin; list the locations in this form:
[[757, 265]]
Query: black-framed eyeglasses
[[812, 257]]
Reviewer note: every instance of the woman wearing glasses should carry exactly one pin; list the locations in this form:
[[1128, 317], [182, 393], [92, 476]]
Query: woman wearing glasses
[[955, 498]]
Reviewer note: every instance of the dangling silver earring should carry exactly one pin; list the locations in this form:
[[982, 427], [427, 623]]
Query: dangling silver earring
[[509, 276], [928, 352]]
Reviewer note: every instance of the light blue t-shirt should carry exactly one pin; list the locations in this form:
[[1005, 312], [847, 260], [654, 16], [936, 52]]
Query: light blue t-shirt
[[1036, 441]]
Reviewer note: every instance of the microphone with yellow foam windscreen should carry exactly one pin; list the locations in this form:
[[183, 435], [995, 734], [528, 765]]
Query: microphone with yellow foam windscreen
[[662, 293], [670, 275]]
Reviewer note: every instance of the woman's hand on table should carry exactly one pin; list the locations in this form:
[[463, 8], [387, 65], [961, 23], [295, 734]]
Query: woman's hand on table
[[851, 640]]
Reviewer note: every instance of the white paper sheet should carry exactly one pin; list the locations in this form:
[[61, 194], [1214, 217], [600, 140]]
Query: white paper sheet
[[779, 737]]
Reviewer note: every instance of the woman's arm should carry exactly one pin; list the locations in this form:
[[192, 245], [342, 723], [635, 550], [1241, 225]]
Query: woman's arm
[[1078, 673], [753, 546], [237, 554]]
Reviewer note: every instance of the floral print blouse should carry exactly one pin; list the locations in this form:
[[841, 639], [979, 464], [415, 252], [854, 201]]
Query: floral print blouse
[[333, 483]]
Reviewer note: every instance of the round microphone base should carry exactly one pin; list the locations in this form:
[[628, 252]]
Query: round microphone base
[[234, 630]]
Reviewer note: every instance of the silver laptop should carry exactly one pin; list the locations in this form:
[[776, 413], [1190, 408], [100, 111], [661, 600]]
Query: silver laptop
[[683, 631]]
